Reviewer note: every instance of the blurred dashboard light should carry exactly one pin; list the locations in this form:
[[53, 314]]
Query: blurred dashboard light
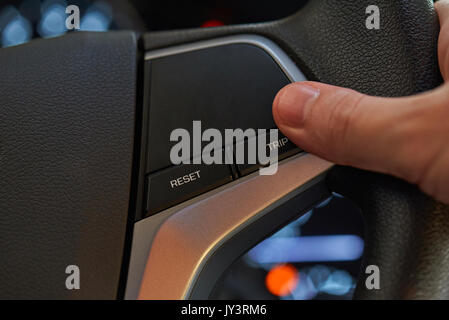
[[53, 18], [338, 283], [324, 203], [282, 279], [308, 249], [97, 18], [212, 23], [293, 228], [322, 279], [305, 290], [15, 29]]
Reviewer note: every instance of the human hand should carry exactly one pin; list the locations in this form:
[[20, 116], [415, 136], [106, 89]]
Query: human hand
[[405, 137]]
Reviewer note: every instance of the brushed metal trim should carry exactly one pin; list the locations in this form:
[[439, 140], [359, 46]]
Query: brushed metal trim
[[284, 62], [190, 236], [161, 262]]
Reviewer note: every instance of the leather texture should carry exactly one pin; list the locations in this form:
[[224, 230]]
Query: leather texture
[[407, 235], [407, 232], [329, 41], [67, 114]]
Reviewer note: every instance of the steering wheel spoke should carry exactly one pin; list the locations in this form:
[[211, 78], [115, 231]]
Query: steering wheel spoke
[[83, 121]]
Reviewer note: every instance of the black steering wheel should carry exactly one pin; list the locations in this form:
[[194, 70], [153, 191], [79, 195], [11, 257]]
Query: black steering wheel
[[83, 119]]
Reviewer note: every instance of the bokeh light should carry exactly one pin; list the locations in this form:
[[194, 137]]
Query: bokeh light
[[212, 23], [308, 249], [282, 279], [15, 29], [53, 18], [97, 18]]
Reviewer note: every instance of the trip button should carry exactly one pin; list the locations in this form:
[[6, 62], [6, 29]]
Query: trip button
[[284, 146], [174, 185]]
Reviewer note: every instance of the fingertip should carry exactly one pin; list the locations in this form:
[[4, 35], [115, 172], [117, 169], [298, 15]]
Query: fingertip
[[289, 104]]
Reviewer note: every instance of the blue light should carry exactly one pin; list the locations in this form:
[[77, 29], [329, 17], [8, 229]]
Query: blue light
[[97, 18], [324, 203], [16, 31], [14, 28], [308, 249], [322, 279], [305, 290], [293, 228], [53, 20], [95, 21], [338, 283]]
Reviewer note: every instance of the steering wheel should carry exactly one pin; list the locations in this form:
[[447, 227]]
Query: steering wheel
[[82, 124]]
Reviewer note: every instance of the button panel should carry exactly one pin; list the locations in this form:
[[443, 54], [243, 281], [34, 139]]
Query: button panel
[[220, 87], [225, 87]]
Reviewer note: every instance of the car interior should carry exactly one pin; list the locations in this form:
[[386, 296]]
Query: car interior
[[86, 135]]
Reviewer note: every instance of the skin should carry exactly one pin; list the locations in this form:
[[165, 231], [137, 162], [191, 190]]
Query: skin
[[406, 137]]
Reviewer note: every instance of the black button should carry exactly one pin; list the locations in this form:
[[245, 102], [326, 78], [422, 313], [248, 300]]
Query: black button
[[285, 148], [225, 87], [174, 185]]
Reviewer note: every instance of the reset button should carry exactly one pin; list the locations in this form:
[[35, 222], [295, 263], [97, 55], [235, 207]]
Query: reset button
[[174, 185]]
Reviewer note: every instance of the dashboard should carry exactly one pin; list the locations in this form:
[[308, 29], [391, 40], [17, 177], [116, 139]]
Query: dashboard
[[317, 256], [23, 20]]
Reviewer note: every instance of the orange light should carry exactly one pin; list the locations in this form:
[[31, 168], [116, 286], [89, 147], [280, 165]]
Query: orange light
[[212, 23], [282, 279]]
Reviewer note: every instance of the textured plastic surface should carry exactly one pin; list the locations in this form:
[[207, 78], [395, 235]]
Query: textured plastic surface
[[67, 113], [330, 43]]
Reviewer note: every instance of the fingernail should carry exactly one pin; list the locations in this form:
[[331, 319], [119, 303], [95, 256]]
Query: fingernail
[[291, 102]]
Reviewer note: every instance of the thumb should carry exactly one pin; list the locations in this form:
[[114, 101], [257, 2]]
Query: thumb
[[398, 136]]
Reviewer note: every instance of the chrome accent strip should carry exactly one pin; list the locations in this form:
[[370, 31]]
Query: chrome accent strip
[[191, 235], [152, 234]]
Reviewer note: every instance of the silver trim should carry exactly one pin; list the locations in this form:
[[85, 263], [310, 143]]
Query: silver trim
[[194, 231], [285, 63], [145, 231]]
